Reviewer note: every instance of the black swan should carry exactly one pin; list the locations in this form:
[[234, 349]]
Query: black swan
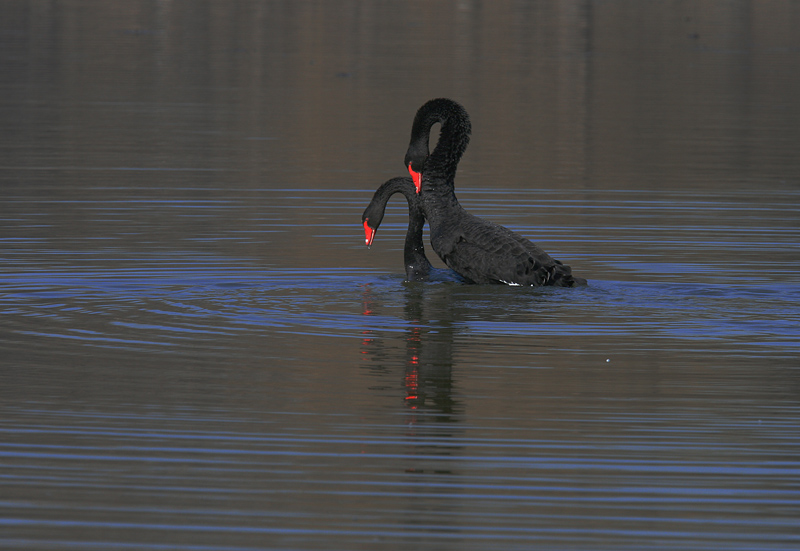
[[479, 250], [418, 268]]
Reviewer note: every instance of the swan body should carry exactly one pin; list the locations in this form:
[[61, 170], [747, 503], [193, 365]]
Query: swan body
[[479, 250]]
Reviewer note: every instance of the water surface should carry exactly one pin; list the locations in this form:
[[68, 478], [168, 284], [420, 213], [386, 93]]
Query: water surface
[[198, 352]]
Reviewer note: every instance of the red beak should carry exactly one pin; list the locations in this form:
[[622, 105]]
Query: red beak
[[369, 233], [417, 177]]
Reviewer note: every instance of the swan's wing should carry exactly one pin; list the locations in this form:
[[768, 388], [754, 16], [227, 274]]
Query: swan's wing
[[486, 252], [480, 266]]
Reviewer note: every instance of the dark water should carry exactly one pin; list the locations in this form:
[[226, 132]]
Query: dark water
[[197, 351]]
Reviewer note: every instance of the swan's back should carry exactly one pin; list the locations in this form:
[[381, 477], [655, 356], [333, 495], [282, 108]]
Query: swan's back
[[485, 252]]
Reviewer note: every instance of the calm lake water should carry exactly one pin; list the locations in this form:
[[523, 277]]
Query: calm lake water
[[197, 352]]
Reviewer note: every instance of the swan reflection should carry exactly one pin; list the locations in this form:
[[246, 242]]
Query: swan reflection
[[420, 359]]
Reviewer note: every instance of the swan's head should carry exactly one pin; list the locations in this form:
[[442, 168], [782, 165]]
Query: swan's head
[[371, 219], [416, 156], [416, 176]]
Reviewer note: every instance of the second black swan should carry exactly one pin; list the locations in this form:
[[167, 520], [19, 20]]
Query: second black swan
[[479, 250], [418, 268]]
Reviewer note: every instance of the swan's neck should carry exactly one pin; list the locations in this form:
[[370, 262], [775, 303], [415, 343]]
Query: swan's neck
[[453, 141], [440, 204]]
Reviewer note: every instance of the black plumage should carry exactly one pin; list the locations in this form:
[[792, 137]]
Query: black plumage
[[417, 266], [479, 250]]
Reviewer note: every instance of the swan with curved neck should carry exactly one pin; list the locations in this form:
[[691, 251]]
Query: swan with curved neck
[[479, 250], [418, 267]]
